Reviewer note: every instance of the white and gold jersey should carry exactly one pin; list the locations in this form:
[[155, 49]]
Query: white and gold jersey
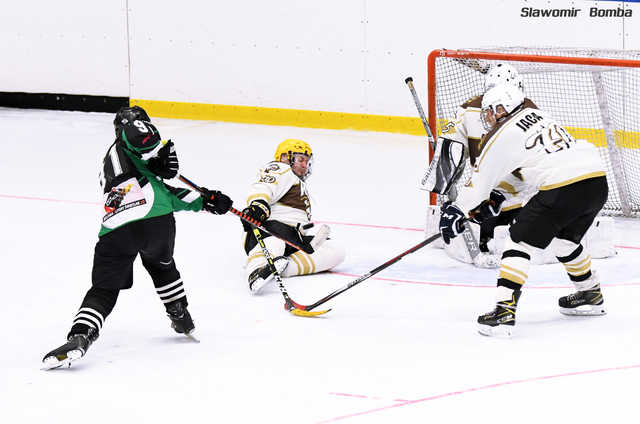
[[531, 145], [285, 193]]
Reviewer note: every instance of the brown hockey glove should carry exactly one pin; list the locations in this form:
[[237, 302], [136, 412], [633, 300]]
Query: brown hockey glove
[[489, 208]]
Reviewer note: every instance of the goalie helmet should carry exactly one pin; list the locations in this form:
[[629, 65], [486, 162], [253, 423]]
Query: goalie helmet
[[127, 114], [503, 73], [291, 147], [506, 96]]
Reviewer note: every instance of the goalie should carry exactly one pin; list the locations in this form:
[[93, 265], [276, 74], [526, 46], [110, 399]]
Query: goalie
[[571, 187], [279, 199], [467, 129]]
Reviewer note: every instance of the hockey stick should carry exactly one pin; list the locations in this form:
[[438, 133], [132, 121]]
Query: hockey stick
[[290, 305], [469, 238], [246, 218], [370, 273]]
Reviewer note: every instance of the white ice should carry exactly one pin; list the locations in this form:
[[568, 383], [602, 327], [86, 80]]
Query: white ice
[[399, 348]]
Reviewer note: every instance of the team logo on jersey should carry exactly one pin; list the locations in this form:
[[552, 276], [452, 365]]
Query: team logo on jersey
[[272, 167], [269, 179]]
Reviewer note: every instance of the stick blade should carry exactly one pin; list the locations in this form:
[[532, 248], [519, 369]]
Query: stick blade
[[303, 313]]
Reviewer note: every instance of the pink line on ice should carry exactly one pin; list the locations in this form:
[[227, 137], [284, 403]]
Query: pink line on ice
[[475, 389], [477, 286], [46, 199]]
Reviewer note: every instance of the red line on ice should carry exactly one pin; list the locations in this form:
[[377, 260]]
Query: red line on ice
[[475, 389]]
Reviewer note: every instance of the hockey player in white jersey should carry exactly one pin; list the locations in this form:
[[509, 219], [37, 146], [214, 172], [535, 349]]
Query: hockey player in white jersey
[[571, 189], [467, 128], [279, 199]]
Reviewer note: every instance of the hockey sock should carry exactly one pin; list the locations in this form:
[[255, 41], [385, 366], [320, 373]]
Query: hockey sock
[[578, 267], [171, 292], [514, 266], [96, 306]]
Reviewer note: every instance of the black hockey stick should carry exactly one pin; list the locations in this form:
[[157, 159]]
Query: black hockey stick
[[469, 238], [305, 248], [370, 273], [291, 306]]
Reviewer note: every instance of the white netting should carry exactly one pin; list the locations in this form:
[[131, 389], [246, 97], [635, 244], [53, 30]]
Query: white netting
[[597, 101]]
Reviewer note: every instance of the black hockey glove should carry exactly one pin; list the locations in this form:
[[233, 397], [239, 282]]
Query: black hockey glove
[[215, 201], [451, 222], [258, 210], [165, 164], [489, 208]]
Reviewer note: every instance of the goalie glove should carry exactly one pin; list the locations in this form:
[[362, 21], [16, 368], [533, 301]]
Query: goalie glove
[[165, 164], [489, 208], [258, 210], [451, 222]]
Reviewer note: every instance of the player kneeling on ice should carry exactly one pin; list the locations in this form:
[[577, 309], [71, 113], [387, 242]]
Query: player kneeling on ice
[[138, 219], [279, 200], [571, 189]]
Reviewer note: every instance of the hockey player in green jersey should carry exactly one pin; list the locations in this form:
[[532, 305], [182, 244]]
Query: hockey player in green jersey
[[138, 219]]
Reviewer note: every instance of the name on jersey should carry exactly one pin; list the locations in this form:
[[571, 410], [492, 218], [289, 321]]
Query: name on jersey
[[529, 119]]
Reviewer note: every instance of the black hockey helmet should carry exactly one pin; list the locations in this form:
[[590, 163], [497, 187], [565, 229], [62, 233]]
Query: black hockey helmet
[[128, 114]]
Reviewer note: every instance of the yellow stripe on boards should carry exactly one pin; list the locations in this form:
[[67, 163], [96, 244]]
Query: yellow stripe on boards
[[277, 116]]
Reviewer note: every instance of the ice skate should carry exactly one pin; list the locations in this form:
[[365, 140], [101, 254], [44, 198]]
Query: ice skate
[[75, 348], [587, 300], [181, 320], [263, 275], [501, 321]]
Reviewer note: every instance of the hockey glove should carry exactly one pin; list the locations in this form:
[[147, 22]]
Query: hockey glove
[[215, 201], [489, 208], [451, 222], [258, 210], [165, 164]]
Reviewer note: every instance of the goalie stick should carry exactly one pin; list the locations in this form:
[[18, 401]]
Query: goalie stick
[[291, 306], [469, 238]]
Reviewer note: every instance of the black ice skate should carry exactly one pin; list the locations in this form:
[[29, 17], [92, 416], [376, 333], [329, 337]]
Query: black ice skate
[[181, 320], [261, 276], [502, 320], [587, 300], [584, 302], [75, 348]]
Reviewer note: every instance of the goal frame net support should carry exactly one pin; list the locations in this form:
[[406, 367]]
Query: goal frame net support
[[608, 81]]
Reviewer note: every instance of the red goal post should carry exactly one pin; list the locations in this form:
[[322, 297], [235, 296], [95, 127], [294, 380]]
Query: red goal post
[[594, 93]]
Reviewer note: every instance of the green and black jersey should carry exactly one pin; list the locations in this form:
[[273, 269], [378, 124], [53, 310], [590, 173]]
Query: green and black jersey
[[131, 191]]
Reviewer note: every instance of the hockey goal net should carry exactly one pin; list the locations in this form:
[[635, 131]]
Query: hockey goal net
[[595, 94]]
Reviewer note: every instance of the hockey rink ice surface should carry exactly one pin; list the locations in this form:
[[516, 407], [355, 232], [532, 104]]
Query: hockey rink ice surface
[[401, 347]]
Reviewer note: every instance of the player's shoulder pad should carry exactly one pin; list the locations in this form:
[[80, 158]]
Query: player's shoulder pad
[[276, 168], [474, 102], [140, 136]]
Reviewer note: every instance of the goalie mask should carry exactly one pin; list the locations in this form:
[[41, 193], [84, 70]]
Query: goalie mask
[[503, 73], [445, 168], [498, 103], [299, 156]]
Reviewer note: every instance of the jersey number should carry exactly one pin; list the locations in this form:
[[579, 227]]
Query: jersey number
[[140, 126], [552, 139]]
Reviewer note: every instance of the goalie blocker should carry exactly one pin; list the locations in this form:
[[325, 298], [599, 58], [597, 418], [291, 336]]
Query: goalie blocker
[[445, 168]]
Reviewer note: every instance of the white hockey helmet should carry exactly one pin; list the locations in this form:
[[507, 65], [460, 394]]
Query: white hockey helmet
[[503, 73], [506, 96]]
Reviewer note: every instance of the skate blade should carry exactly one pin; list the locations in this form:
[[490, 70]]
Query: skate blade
[[501, 331], [259, 284], [52, 363], [191, 337], [584, 310]]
